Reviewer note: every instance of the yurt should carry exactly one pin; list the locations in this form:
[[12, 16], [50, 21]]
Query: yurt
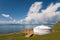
[[42, 29]]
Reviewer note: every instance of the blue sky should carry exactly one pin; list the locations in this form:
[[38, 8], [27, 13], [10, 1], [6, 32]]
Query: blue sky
[[18, 9]]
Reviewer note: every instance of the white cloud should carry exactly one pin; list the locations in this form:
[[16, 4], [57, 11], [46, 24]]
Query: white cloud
[[12, 21], [9, 22], [49, 15], [6, 16], [46, 16]]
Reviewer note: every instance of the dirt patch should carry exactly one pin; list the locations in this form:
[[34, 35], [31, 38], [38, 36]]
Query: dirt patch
[[28, 32]]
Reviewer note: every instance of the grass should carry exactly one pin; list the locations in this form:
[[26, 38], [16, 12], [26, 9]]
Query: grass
[[20, 36]]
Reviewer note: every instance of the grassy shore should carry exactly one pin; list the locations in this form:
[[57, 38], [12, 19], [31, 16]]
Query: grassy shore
[[20, 36]]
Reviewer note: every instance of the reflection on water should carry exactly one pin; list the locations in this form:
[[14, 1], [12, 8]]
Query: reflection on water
[[10, 28]]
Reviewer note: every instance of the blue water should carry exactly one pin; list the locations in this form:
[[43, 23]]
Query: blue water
[[10, 28]]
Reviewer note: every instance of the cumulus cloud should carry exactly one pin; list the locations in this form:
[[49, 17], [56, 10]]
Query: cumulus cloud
[[9, 22], [49, 15], [12, 21], [6, 16]]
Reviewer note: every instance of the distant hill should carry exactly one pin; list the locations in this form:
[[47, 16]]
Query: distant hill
[[57, 26]]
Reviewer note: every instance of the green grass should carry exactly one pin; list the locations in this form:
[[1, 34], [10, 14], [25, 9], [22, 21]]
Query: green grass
[[53, 36]]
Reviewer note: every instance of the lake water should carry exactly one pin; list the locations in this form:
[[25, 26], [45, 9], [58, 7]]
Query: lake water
[[10, 28]]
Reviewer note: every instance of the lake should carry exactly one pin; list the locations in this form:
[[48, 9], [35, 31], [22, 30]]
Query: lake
[[10, 28]]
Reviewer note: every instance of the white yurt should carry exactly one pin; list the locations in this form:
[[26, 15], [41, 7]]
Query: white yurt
[[41, 30]]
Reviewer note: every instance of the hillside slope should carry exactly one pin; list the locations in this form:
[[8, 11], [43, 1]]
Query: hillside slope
[[56, 27]]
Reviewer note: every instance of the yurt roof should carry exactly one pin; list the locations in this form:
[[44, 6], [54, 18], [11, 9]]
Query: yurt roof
[[43, 27]]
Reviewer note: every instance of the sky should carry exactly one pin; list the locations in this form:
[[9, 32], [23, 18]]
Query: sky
[[18, 11]]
